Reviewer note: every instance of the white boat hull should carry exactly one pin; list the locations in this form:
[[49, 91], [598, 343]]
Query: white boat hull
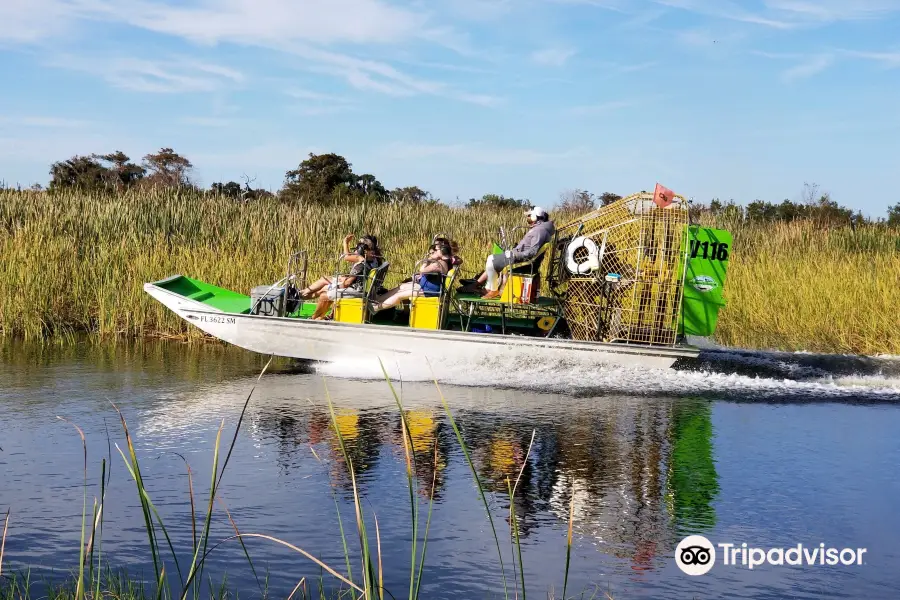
[[331, 341]]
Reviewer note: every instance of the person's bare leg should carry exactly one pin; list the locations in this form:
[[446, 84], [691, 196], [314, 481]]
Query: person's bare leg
[[322, 306], [315, 287], [393, 297]]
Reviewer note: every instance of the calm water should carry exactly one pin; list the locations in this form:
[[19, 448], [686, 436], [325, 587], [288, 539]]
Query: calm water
[[768, 449]]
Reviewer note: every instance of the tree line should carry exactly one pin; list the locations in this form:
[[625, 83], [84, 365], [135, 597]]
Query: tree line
[[329, 178]]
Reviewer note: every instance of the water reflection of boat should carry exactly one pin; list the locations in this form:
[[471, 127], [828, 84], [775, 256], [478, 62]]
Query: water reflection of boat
[[640, 471], [617, 285]]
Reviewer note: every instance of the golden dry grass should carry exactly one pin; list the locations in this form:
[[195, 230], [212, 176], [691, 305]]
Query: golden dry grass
[[798, 286], [77, 262]]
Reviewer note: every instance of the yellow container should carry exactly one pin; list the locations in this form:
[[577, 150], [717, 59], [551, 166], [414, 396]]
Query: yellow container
[[349, 310], [425, 313], [513, 288]]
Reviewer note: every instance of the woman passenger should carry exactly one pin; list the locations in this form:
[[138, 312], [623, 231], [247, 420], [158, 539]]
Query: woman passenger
[[351, 256], [427, 282], [365, 257], [455, 260]]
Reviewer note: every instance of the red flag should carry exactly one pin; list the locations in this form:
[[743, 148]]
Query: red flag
[[663, 196]]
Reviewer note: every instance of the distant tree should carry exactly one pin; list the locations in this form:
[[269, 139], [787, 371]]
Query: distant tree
[[120, 173], [576, 201], [759, 210], [607, 198], [829, 211], [894, 215], [79, 172], [368, 185], [715, 206], [232, 189], [411, 194], [167, 168], [318, 177], [788, 211], [497, 201], [810, 193]]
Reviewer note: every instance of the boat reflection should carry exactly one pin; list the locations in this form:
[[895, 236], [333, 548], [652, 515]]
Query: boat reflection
[[638, 474]]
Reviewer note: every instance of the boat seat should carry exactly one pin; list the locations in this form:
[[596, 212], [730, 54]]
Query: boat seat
[[516, 277], [356, 310], [430, 312]]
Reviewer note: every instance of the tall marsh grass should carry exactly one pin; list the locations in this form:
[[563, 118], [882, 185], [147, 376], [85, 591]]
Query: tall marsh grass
[[73, 263]]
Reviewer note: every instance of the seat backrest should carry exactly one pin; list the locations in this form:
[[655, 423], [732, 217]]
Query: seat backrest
[[449, 280], [532, 265], [376, 279], [539, 257], [447, 295]]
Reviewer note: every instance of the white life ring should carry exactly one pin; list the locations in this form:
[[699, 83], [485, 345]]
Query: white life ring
[[593, 259]]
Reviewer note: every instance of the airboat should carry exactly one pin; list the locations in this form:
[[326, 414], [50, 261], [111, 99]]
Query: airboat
[[632, 283]]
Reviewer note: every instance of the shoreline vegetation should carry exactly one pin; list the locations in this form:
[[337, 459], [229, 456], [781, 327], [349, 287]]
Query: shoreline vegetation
[[360, 576], [75, 262]]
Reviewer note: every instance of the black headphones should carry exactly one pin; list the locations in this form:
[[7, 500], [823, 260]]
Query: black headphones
[[367, 242]]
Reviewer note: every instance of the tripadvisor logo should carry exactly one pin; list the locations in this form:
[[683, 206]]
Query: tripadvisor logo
[[696, 555]]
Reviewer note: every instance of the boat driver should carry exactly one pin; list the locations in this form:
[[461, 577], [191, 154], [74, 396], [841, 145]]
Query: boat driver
[[541, 230]]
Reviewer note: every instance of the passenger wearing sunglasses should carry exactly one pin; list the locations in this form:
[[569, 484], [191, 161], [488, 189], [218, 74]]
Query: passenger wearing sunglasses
[[366, 256], [427, 282]]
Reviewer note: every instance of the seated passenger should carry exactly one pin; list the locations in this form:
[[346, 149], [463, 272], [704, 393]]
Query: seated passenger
[[366, 256], [455, 260], [427, 282], [541, 230]]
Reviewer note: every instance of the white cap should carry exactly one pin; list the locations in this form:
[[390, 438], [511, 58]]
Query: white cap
[[536, 212]]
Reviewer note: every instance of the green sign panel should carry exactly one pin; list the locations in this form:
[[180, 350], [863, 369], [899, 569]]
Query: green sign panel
[[708, 253]]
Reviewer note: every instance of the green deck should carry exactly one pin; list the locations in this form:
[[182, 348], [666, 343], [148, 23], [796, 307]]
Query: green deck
[[220, 298]]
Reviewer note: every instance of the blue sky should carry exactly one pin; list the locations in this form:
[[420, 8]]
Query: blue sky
[[713, 98]]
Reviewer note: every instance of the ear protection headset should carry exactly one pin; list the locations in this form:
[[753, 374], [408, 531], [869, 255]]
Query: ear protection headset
[[368, 242]]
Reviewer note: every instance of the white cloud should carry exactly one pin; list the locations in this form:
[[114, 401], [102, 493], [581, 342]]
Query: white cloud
[[479, 154], [370, 75], [726, 9], [552, 57], [890, 60], [835, 10], [260, 22], [154, 76], [299, 28], [804, 70], [789, 14], [26, 21]]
